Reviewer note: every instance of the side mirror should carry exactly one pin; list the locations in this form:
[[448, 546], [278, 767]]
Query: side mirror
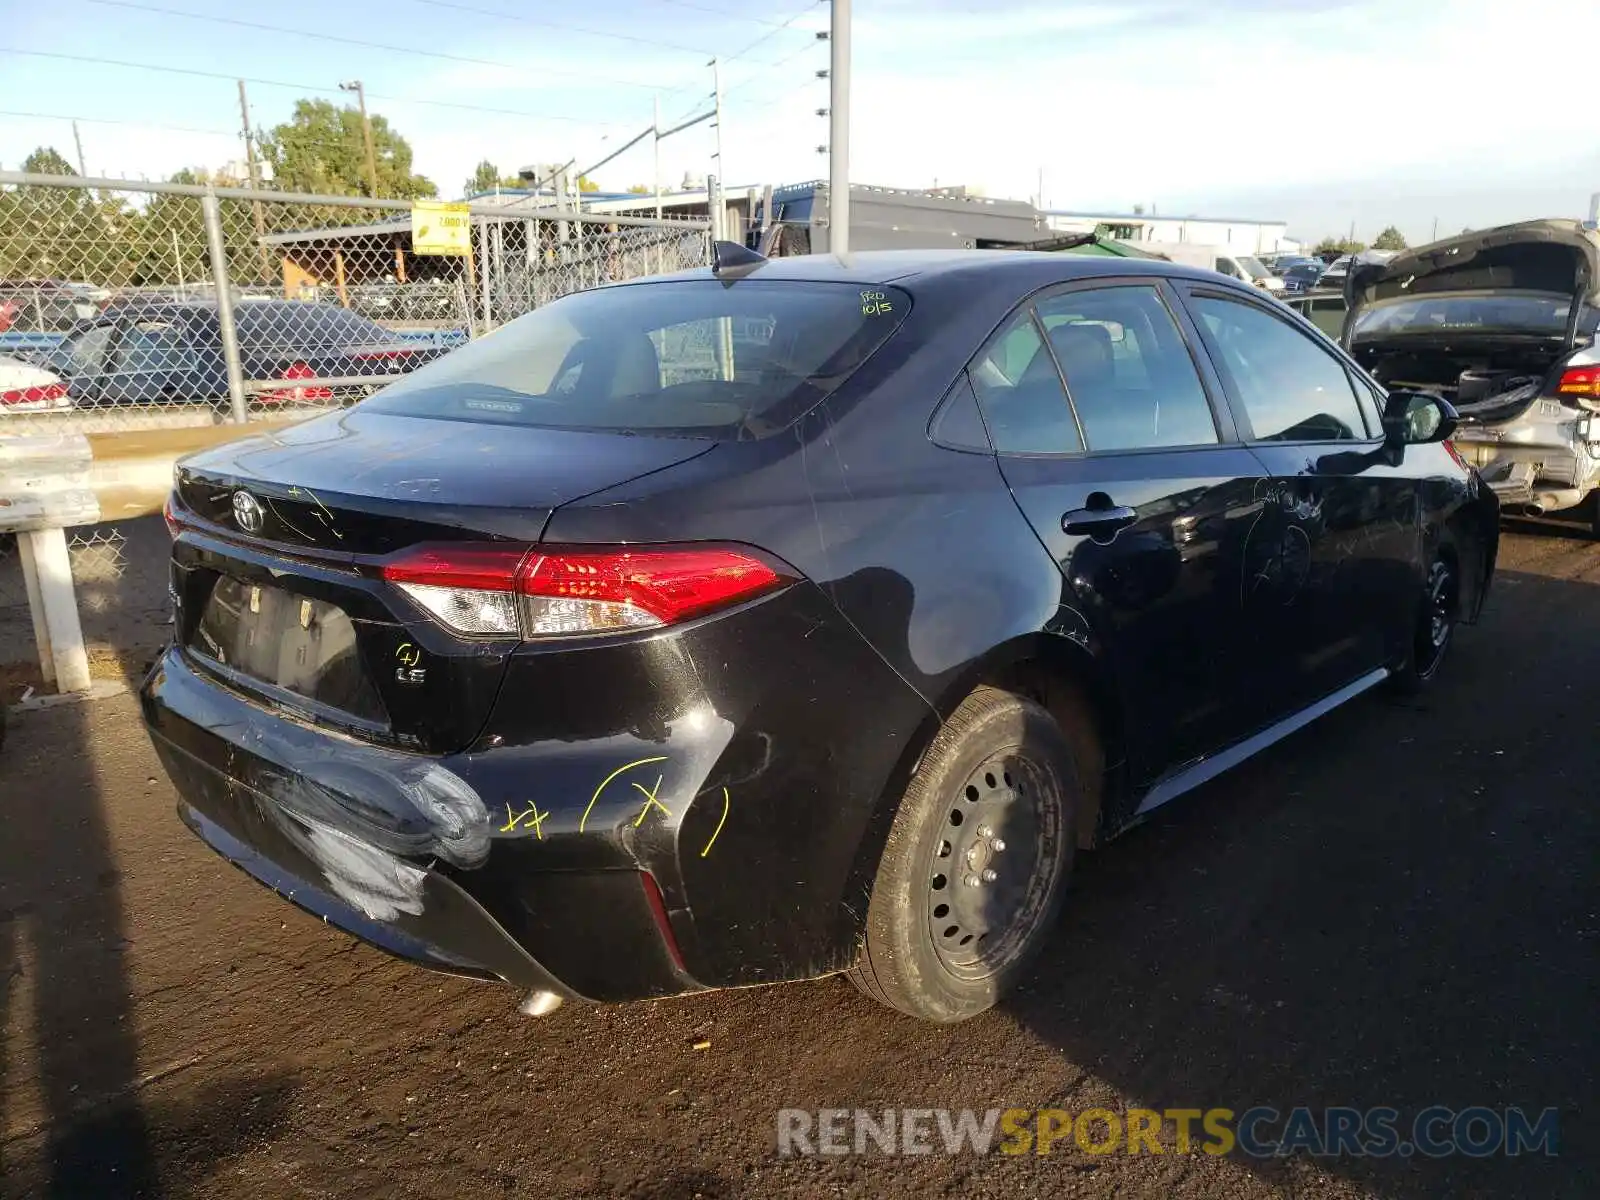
[[1417, 418]]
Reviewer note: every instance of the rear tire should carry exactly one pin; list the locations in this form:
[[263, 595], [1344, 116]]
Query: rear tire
[[976, 862]]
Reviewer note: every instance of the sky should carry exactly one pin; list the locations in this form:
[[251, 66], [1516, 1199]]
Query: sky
[[1327, 114]]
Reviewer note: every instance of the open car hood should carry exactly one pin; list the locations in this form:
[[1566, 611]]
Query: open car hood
[[1556, 256]]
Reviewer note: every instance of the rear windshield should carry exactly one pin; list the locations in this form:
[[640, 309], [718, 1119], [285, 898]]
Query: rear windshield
[[697, 358], [1480, 313], [295, 323], [1253, 267]]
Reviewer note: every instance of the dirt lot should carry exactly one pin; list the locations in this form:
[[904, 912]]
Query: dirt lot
[[1398, 906]]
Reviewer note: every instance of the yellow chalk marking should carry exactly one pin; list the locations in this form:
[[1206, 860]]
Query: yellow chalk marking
[[532, 819], [649, 799], [604, 783], [720, 823], [511, 821]]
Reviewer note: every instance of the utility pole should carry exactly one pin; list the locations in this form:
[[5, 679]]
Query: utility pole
[[657, 130], [78, 140], [839, 129], [354, 85], [255, 182], [719, 211], [1434, 236]]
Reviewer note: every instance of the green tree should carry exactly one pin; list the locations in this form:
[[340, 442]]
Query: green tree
[[1390, 239], [1338, 245], [640, 189], [47, 160], [585, 184], [322, 149], [487, 177], [49, 232]]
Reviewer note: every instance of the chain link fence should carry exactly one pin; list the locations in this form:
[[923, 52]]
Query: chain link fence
[[138, 305]]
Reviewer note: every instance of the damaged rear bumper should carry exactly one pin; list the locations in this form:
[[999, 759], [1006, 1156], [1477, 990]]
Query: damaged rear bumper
[[391, 847]]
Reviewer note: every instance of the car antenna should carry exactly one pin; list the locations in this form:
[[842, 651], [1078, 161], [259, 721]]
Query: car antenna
[[731, 256]]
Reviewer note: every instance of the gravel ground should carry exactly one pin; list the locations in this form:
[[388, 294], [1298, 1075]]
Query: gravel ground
[[1398, 906]]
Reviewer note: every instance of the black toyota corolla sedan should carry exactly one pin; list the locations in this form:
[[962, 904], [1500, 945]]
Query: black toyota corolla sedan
[[793, 617]]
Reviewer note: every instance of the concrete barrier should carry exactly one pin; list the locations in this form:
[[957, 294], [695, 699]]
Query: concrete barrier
[[53, 482]]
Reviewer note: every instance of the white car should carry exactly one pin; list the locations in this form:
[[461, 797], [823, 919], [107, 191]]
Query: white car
[[27, 388], [1249, 269]]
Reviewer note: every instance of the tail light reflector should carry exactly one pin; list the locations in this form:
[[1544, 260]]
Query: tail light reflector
[[174, 526], [536, 592], [1579, 381], [50, 393], [299, 392]]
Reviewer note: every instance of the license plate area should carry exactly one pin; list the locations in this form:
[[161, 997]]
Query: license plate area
[[298, 644]]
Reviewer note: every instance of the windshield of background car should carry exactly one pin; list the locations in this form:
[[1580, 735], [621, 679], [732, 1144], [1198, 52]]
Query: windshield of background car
[[699, 358], [1539, 314], [1253, 267]]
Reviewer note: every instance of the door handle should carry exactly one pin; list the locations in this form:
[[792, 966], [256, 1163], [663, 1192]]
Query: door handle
[[1098, 522]]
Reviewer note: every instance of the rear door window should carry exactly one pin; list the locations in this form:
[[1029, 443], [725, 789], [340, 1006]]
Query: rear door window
[[1129, 374], [154, 346], [698, 358], [1020, 391], [84, 353]]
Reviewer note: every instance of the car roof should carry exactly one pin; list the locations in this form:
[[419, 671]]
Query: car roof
[[1026, 267]]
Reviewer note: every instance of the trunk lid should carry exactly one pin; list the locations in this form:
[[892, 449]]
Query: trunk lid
[[276, 569], [1548, 258], [1476, 317], [368, 483]]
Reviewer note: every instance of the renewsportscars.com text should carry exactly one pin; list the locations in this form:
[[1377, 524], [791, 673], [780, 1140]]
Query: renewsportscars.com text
[[1261, 1132]]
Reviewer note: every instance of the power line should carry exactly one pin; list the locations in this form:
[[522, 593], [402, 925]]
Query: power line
[[302, 87], [778, 27], [350, 41], [721, 12], [765, 37], [583, 29], [227, 133]]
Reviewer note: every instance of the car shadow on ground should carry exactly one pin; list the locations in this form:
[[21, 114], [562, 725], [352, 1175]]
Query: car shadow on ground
[[77, 1113], [1382, 911], [64, 990]]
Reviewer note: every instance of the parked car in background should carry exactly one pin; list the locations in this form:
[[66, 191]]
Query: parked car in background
[[145, 351], [791, 617], [1502, 324], [1302, 276], [1338, 270], [1248, 269], [42, 306], [26, 388]]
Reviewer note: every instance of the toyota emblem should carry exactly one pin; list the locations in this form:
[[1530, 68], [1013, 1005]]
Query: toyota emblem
[[247, 511]]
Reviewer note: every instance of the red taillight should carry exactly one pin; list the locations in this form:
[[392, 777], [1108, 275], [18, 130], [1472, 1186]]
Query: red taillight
[[1579, 381], [566, 591], [670, 585], [50, 394], [174, 526], [299, 392]]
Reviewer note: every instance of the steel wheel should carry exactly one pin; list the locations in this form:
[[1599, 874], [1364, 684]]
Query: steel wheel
[[1437, 621], [989, 880], [975, 864]]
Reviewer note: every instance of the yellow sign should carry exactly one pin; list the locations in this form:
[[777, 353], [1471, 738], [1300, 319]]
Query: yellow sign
[[440, 228]]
